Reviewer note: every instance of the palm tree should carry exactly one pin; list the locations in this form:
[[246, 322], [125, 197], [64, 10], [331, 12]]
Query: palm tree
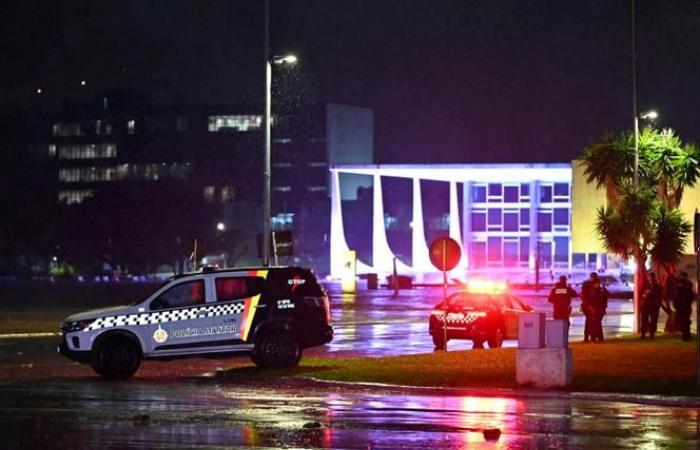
[[643, 220]]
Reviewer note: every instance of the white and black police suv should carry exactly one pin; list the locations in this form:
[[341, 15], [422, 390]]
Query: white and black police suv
[[270, 313]]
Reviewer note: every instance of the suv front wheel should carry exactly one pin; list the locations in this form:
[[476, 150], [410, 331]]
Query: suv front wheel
[[116, 358], [277, 350]]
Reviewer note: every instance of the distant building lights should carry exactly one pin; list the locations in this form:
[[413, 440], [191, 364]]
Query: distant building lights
[[39, 91], [220, 226], [83, 82]]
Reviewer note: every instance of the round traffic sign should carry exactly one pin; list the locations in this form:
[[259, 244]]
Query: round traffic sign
[[445, 253]]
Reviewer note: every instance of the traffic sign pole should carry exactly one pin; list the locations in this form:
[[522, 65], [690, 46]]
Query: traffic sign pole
[[444, 288], [445, 253]]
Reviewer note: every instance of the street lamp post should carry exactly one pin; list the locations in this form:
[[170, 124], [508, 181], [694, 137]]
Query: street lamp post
[[267, 119]]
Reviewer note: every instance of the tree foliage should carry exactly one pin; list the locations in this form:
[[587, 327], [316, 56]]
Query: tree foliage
[[643, 220]]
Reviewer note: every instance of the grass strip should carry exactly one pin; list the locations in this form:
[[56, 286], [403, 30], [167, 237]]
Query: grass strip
[[664, 366]]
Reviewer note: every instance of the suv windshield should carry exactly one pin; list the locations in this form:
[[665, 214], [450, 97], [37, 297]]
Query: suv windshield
[[472, 300]]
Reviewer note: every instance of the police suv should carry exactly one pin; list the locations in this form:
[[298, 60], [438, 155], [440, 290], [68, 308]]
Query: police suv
[[483, 313], [269, 313]]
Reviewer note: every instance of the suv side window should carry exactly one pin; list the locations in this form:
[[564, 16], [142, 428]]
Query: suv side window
[[190, 293], [234, 288]]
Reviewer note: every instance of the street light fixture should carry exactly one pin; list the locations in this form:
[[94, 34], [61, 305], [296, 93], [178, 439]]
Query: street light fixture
[[221, 226], [649, 115]]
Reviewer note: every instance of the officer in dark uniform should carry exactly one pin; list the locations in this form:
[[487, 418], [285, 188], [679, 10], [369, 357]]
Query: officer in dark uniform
[[560, 297], [651, 304], [587, 304], [682, 303], [599, 306]]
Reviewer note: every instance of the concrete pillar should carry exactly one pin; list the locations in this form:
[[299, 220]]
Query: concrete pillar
[[419, 252], [466, 222], [534, 206], [454, 230], [338, 244]]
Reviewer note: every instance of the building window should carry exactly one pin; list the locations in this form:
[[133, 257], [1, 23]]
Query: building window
[[440, 223], [316, 188], [102, 128], [478, 194], [524, 249], [87, 151], [282, 188], [282, 164], [282, 221], [74, 197], [67, 129], [227, 193], [234, 123], [525, 216], [209, 194], [544, 221], [478, 221], [561, 216], [495, 192], [510, 221], [130, 126], [390, 222], [317, 164], [282, 141], [524, 192], [52, 150], [561, 192], [545, 193], [494, 249], [510, 194], [494, 216]]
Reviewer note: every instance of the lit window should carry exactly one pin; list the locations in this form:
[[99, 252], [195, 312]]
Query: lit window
[[317, 164], [130, 126], [282, 164], [282, 141], [87, 151], [67, 129], [283, 188], [282, 221], [52, 150], [74, 197], [209, 194], [316, 188], [227, 194], [102, 128], [234, 122]]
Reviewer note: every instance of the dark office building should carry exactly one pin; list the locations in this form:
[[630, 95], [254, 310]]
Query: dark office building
[[198, 171]]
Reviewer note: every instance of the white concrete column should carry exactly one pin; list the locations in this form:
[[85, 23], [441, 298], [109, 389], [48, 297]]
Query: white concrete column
[[466, 221], [419, 252], [455, 232], [338, 243], [534, 207]]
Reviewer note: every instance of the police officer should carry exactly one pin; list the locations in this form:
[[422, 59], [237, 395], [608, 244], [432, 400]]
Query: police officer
[[560, 297], [599, 306], [682, 303], [651, 303], [587, 304]]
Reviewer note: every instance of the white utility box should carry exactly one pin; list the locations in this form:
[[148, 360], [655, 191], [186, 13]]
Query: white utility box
[[531, 330], [556, 334], [544, 367]]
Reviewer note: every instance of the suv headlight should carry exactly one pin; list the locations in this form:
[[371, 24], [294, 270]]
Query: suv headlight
[[76, 326]]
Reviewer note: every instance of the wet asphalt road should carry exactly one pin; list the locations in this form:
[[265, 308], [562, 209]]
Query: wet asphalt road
[[50, 402], [147, 413]]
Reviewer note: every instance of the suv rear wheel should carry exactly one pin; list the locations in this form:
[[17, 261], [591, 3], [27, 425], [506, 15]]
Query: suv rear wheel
[[277, 350], [116, 358], [496, 338]]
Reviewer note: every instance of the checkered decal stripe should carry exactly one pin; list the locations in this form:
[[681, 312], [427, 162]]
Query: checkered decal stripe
[[154, 317], [466, 319]]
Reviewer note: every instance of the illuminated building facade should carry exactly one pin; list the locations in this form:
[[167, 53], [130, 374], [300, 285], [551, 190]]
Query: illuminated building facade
[[507, 217]]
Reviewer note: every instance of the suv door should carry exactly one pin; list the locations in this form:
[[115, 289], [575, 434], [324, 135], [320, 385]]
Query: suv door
[[178, 318], [237, 301]]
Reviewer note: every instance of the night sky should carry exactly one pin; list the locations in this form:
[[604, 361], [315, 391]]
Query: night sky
[[450, 81]]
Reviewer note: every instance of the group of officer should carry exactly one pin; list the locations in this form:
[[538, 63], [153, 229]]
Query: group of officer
[[681, 291], [594, 303]]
